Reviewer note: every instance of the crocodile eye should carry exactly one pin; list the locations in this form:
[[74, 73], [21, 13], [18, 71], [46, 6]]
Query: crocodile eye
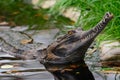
[[71, 32]]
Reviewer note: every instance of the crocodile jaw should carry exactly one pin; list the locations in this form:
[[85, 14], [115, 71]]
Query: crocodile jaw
[[64, 57], [73, 46]]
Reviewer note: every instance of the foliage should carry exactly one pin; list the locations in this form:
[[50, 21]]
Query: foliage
[[24, 14], [91, 12]]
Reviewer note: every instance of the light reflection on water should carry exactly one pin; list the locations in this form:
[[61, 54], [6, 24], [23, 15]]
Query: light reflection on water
[[33, 70], [25, 70]]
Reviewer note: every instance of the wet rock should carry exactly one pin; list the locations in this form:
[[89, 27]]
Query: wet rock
[[43, 36], [110, 51], [11, 39], [20, 28], [4, 28], [27, 40]]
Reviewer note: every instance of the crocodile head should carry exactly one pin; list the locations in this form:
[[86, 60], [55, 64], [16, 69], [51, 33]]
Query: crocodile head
[[69, 48], [73, 46], [64, 58]]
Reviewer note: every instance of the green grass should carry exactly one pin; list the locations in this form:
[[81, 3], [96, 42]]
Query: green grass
[[91, 12], [23, 14]]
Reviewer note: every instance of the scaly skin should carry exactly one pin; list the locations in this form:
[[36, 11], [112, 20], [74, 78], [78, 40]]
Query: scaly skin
[[64, 58]]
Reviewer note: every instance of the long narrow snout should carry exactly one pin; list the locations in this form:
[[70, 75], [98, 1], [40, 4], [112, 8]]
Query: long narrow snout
[[64, 57], [88, 36], [75, 45]]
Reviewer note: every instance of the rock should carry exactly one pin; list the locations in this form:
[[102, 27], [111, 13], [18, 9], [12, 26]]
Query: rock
[[43, 36], [4, 23], [20, 28], [4, 28], [47, 4], [72, 13], [12, 38], [110, 51], [29, 41]]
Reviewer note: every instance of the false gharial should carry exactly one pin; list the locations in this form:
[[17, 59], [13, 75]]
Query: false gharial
[[64, 58]]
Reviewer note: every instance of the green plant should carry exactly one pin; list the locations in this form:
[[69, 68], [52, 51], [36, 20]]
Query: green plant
[[91, 12], [24, 14]]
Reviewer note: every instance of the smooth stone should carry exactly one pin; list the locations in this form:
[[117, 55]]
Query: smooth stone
[[110, 51]]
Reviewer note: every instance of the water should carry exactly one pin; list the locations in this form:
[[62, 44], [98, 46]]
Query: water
[[12, 69], [22, 70]]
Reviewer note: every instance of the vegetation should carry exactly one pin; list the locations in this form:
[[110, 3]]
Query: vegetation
[[20, 13], [91, 12]]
